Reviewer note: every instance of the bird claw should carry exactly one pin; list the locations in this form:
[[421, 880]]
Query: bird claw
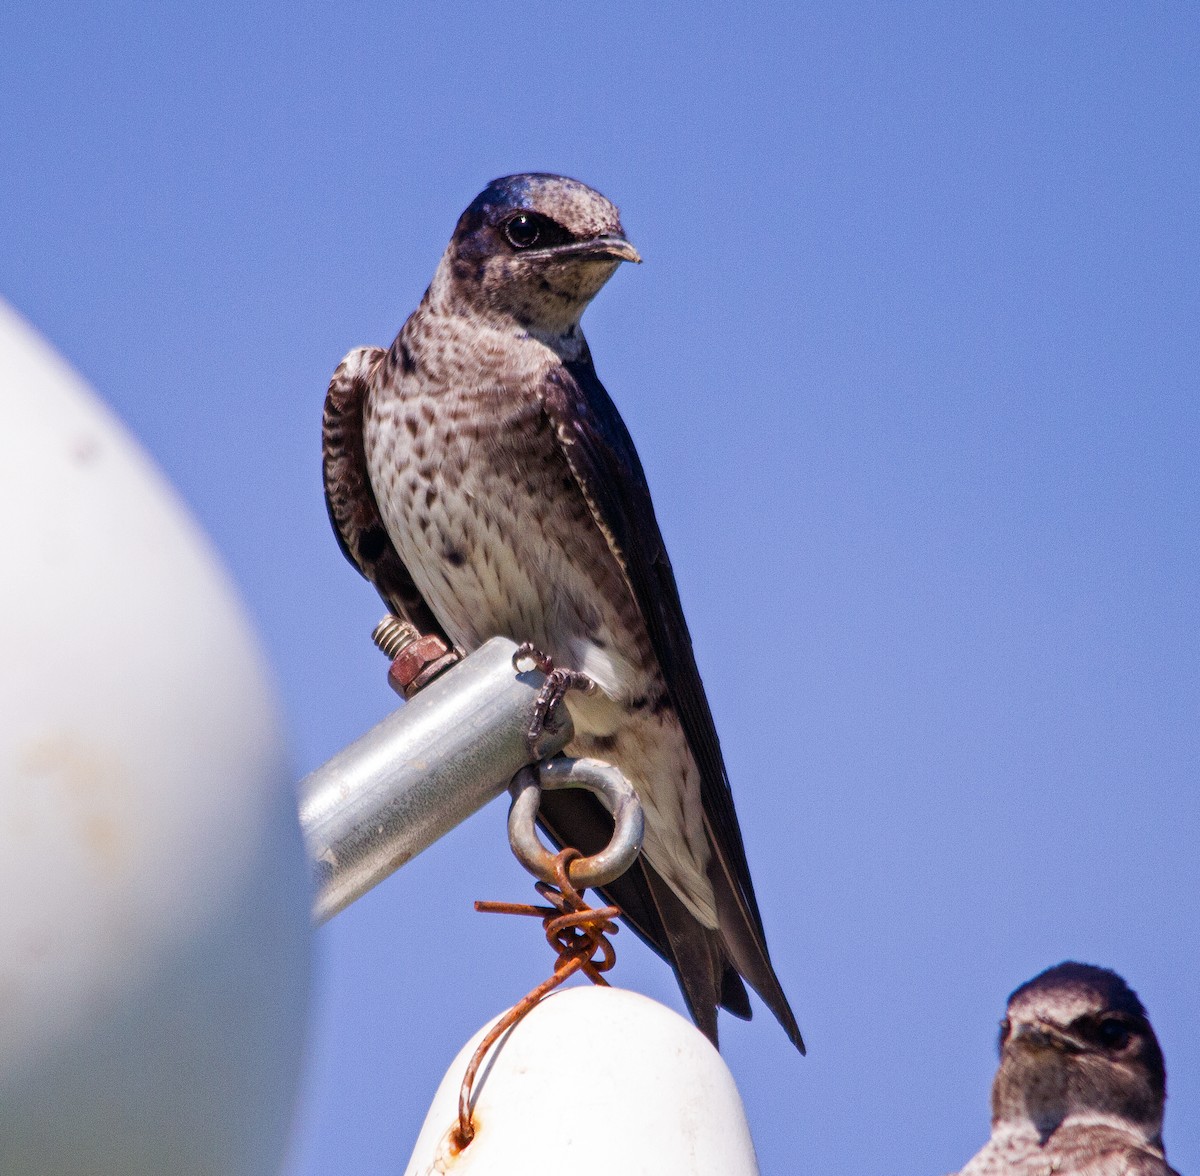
[[559, 682], [529, 652]]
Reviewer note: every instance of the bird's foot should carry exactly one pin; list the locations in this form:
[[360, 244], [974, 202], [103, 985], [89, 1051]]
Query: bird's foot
[[559, 682]]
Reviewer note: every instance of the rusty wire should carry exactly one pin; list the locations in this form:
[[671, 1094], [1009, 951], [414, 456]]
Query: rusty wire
[[577, 932]]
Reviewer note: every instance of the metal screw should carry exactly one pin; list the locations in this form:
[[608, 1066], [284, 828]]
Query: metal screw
[[416, 659], [392, 635]]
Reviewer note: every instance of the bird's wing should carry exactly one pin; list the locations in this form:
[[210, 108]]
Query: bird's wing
[[350, 500], [602, 457]]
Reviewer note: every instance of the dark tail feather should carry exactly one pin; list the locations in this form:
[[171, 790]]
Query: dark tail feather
[[734, 998], [743, 941], [702, 965], [696, 953]]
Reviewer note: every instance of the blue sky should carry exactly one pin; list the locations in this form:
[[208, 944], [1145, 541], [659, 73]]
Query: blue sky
[[912, 367]]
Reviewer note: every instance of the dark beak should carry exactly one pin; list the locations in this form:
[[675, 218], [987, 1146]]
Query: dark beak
[[619, 249], [612, 248], [1040, 1035]]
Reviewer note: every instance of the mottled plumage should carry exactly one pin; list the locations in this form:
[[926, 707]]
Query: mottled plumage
[[478, 473], [1081, 1084]]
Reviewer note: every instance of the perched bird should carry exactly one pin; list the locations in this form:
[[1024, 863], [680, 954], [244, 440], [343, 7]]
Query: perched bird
[[1081, 1083], [479, 475]]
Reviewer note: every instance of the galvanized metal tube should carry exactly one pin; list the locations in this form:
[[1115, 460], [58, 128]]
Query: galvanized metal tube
[[422, 771]]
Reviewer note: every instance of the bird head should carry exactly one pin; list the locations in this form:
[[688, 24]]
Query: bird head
[[534, 249], [1076, 1042]]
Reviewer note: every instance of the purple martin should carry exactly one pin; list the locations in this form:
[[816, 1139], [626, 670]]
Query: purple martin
[[477, 473], [1081, 1083]]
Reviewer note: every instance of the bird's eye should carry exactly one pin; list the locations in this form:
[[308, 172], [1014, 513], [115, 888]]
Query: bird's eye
[[1113, 1034], [522, 231], [1005, 1031]]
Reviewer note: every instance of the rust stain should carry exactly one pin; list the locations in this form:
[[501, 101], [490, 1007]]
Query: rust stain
[[89, 778], [451, 1151]]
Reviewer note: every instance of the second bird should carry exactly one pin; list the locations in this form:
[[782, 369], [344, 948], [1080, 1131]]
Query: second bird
[[479, 475]]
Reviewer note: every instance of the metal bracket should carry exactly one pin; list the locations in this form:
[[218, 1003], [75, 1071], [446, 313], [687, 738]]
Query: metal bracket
[[441, 757], [422, 771]]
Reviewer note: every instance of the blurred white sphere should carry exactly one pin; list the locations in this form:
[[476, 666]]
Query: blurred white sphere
[[154, 932], [594, 1081]]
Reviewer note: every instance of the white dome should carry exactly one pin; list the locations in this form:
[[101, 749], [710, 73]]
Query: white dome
[[154, 938], [594, 1081]]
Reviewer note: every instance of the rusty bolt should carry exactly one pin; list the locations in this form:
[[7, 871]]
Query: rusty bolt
[[416, 660]]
